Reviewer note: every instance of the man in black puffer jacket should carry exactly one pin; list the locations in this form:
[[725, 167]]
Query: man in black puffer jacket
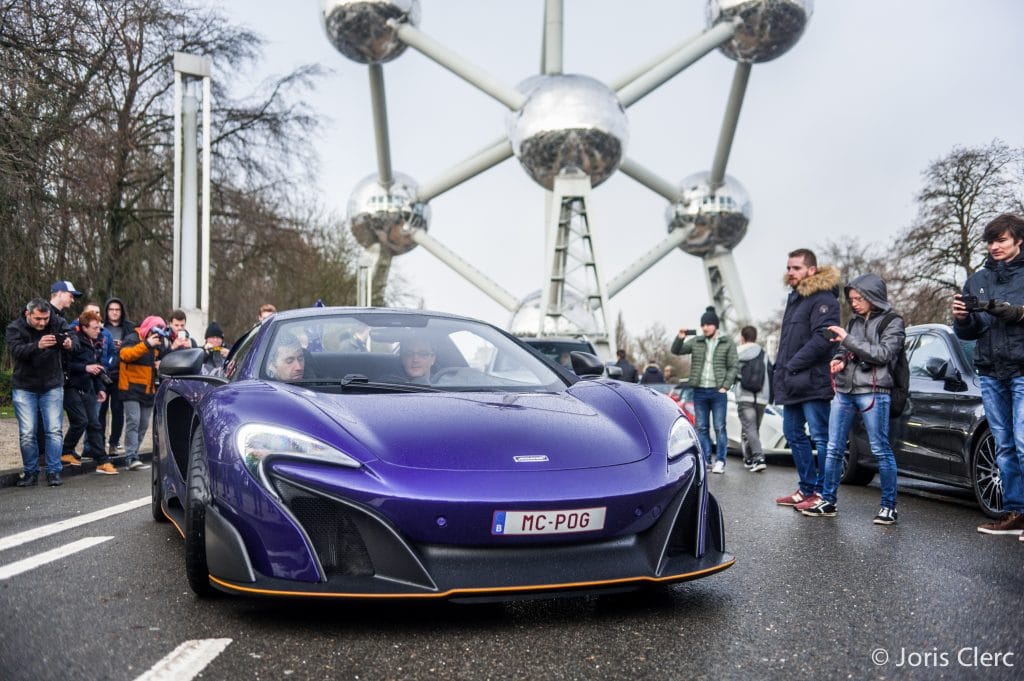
[[802, 383], [995, 318]]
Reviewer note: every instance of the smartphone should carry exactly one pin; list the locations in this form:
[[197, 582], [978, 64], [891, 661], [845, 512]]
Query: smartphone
[[829, 334]]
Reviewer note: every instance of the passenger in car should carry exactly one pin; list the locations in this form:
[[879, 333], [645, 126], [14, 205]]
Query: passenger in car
[[287, 361]]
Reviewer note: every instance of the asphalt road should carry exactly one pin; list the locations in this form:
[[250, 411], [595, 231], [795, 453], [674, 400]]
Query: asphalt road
[[809, 598]]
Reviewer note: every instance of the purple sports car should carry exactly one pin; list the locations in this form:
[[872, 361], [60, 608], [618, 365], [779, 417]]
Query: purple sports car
[[379, 453]]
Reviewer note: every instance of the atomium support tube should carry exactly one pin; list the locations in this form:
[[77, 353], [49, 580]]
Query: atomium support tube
[[551, 59], [471, 167], [654, 78], [462, 267], [380, 125], [474, 75], [623, 279], [732, 115], [651, 180], [623, 81]]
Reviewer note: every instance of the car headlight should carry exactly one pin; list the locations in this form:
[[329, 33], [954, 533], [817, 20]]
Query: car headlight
[[681, 439], [256, 441]]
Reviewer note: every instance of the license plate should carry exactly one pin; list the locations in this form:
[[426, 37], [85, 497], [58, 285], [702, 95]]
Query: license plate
[[548, 522]]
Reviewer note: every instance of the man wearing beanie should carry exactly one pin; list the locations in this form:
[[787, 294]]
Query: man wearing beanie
[[713, 370], [215, 349]]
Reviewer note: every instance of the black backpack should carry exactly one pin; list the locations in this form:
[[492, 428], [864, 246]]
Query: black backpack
[[900, 371], [752, 372]]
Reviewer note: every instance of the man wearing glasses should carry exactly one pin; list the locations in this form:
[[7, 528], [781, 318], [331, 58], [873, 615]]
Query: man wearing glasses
[[417, 357], [35, 342]]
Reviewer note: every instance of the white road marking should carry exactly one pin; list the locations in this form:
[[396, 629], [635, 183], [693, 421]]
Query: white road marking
[[187, 660], [54, 528], [16, 568]]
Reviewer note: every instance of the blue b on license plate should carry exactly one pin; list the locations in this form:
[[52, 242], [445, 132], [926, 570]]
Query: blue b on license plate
[[548, 522]]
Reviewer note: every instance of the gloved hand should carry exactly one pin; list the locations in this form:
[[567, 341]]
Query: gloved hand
[[1007, 312]]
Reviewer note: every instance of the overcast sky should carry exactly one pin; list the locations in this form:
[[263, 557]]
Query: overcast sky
[[831, 142]]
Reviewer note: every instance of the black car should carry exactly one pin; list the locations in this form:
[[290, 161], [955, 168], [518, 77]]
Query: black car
[[942, 434]]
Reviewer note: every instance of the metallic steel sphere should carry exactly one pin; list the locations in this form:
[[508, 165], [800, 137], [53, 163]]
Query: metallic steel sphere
[[576, 317], [568, 121], [717, 219], [769, 28], [387, 215], [359, 29]]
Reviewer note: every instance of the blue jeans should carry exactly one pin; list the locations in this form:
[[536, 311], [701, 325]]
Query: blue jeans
[[876, 423], [1004, 408], [711, 403], [30, 405], [810, 467]]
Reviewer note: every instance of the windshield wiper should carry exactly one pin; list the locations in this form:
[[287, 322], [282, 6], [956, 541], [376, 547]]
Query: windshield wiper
[[361, 382]]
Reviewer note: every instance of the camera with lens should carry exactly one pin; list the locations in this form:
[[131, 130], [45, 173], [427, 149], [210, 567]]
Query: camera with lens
[[975, 304], [105, 379], [162, 331]]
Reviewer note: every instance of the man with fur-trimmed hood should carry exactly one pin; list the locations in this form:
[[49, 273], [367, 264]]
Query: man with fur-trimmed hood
[[802, 383]]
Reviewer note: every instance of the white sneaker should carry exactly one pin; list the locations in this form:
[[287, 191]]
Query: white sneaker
[[137, 465], [719, 467]]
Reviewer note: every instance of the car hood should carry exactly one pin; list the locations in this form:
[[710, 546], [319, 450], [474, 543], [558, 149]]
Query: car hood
[[585, 427]]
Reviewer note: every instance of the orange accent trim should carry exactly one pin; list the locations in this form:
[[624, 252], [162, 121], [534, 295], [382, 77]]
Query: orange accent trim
[[168, 516], [481, 590]]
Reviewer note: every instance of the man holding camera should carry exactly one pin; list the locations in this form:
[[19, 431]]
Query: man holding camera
[[86, 386], [140, 357], [35, 341], [991, 311]]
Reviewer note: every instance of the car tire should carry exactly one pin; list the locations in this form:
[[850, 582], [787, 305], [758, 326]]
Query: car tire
[[156, 493], [197, 498], [985, 481], [853, 472]]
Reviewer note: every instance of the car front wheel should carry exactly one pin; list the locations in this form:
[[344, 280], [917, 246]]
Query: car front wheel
[[196, 501], [985, 480]]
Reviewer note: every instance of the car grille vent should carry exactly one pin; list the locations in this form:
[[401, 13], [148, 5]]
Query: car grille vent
[[330, 527]]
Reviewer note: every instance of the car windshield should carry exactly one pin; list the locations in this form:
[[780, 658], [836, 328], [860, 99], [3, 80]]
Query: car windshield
[[968, 348], [374, 351]]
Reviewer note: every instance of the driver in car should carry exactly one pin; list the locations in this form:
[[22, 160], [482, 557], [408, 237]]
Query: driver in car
[[417, 355]]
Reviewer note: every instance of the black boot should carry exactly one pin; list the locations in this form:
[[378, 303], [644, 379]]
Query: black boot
[[53, 480], [28, 480]]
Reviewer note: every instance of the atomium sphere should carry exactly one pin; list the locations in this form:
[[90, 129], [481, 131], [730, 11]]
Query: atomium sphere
[[359, 29], [387, 215], [718, 218], [769, 28], [568, 121], [576, 317]]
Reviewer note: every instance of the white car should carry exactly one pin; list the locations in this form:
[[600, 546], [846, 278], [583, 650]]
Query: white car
[[772, 439]]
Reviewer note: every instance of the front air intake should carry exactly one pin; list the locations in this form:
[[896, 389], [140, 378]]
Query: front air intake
[[329, 526]]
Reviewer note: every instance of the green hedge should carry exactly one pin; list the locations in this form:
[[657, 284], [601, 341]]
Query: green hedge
[[5, 392]]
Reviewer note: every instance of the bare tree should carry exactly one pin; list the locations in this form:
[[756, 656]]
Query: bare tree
[[963, 191], [86, 158]]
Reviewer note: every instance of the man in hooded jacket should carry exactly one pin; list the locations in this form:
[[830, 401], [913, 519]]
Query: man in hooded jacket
[[865, 355], [117, 323], [801, 378]]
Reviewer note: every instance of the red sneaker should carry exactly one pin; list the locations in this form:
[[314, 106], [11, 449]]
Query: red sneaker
[[791, 500], [808, 502]]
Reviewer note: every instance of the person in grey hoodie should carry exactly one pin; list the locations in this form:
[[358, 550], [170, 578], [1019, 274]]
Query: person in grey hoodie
[[750, 404], [861, 368]]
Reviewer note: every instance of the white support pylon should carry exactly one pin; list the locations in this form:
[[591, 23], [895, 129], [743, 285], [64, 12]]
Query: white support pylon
[[725, 290], [572, 279]]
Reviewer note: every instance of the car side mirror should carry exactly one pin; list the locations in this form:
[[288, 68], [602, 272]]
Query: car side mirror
[[188, 363], [614, 371], [585, 364], [936, 368]]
